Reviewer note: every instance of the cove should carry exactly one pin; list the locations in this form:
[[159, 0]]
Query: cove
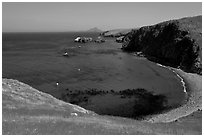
[[37, 60]]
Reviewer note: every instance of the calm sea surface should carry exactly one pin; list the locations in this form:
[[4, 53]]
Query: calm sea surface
[[36, 59]]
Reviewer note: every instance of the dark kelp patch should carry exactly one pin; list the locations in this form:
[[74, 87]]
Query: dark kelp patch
[[131, 103]]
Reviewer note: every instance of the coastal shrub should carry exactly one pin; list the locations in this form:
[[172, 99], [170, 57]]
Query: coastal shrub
[[173, 43]]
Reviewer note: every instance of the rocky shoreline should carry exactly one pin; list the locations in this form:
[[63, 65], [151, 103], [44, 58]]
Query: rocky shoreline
[[177, 43]]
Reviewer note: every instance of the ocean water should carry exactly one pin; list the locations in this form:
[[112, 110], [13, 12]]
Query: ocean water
[[37, 59]]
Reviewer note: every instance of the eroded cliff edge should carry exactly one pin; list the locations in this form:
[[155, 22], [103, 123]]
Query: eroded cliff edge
[[176, 43]]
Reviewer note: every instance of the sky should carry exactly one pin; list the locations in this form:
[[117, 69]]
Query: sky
[[67, 16]]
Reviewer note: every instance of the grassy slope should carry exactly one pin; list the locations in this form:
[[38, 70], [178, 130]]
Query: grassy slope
[[194, 26], [28, 111]]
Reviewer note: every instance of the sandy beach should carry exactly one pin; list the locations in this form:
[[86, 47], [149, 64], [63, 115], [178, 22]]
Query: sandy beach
[[193, 103]]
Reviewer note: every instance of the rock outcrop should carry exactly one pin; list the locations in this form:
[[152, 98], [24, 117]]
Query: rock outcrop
[[83, 39], [176, 43], [120, 39]]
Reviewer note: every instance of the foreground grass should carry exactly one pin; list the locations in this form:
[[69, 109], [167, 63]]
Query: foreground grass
[[28, 111]]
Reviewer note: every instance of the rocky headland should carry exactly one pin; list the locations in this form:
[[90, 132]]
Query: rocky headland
[[177, 43]]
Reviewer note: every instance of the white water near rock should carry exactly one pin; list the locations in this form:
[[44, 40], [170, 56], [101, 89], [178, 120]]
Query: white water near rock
[[181, 79]]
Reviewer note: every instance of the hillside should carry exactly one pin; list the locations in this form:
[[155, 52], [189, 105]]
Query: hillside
[[26, 110], [95, 29], [176, 43], [115, 32]]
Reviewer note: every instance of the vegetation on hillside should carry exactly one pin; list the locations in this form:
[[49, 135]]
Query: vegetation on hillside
[[175, 43]]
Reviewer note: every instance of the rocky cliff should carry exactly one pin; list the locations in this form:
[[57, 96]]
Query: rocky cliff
[[176, 43]]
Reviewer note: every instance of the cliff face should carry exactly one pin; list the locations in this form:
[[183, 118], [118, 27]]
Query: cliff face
[[175, 43]]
